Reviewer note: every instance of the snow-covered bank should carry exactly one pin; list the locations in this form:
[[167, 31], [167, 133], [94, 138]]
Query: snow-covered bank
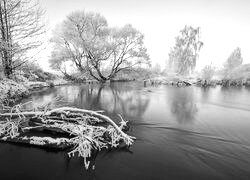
[[11, 90], [188, 81]]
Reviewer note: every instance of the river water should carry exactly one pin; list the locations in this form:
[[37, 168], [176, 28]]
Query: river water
[[182, 133]]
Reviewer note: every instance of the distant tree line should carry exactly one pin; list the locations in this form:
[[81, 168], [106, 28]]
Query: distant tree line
[[86, 43], [231, 68], [184, 55]]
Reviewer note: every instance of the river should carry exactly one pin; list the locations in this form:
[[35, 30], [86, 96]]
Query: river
[[182, 133]]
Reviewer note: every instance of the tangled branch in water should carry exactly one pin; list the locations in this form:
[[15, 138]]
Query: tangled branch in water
[[86, 135], [9, 128]]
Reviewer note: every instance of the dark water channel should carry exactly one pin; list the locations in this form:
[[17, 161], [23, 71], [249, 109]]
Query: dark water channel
[[182, 133]]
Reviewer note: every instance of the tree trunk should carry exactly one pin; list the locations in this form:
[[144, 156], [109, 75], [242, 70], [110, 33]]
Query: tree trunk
[[6, 41], [8, 71]]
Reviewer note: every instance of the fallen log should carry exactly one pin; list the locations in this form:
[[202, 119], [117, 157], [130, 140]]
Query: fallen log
[[82, 127], [66, 111], [47, 142]]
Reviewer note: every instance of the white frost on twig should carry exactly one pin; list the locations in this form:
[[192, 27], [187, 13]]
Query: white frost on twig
[[46, 140], [9, 128], [85, 136]]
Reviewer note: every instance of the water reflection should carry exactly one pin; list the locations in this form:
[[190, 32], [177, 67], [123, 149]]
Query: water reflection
[[205, 92], [168, 141], [114, 99], [183, 105]]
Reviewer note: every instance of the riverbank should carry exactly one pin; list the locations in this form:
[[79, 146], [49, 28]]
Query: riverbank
[[189, 81], [12, 91]]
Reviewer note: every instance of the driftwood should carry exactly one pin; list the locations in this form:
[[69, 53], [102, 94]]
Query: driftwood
[[64, 112], [45, 142], [82, 130]]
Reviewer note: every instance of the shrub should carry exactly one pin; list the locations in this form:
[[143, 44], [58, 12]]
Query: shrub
[[207, 72]]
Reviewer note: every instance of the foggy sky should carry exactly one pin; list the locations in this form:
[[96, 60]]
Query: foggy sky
[[224, 24]]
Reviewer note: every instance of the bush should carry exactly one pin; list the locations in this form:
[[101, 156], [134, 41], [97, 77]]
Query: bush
[[207, 72], [11, 90], [241, 72]]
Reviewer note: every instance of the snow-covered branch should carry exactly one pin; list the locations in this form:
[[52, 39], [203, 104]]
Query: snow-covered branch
[[83, 127]]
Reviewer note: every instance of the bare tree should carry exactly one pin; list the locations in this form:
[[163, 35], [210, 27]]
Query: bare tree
[[184, 54], [97, 49], [234, 60], [126, 50], [20, 24], [59, 62], [208, 72]]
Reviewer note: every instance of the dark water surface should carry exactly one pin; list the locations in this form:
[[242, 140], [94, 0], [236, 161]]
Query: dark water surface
[[182, 133]]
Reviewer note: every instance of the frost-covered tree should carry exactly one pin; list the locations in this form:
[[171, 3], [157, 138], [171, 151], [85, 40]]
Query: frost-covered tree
[[73, 39], [94, 48], [208, 72], [156, 69], [20, 24], [184, 54], [233, 61]]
